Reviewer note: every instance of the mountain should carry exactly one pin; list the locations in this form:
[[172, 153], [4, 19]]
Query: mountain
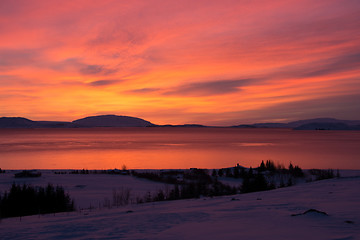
[[327, 126], [54, 124], [16, 122], [112, 121], [311, 124], [323, 121], [126, 121], [244, 126], [20, 122], [182, 125], [94, 121], [271, 125]]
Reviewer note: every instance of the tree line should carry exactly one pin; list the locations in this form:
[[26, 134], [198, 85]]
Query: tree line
[[24, 200]]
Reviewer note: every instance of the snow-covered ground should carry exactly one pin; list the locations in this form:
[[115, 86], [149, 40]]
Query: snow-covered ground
[[260, 215], [87, 190]]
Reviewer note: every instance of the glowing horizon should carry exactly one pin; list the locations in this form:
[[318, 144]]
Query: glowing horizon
[[206, 62]]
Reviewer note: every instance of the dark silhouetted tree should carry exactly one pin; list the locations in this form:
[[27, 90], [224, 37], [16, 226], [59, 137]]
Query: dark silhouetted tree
[[255, 184], [221, 172], [270, 165], [27, 200], [262, 166]]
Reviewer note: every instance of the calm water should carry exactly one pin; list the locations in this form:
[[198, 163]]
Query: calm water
[[154, 148]]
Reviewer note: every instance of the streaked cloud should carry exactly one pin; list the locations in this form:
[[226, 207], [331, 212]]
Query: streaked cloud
[[338, 64], [144, 90], [180, 61], [209, 88], [100, 83], [18, 57], [96, 70]]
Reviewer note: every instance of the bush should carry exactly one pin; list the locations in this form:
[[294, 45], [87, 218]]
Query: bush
[[28, 200]]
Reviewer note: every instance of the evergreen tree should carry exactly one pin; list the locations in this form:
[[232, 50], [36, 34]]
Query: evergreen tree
[[250, 173], [236, 172], [27, 200], [262, 166], [270, 165], [228, 173], [254, 184], [291, 167]]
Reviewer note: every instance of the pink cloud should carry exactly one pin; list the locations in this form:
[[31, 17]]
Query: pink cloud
[[289, 50]]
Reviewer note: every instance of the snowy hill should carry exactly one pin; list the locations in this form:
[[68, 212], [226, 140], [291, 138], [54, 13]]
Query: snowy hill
[[278, 214]]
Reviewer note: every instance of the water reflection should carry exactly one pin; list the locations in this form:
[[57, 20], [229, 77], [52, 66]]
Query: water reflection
[[175, 148]]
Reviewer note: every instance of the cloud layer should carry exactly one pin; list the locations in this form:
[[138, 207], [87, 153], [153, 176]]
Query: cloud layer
[[180, 61]]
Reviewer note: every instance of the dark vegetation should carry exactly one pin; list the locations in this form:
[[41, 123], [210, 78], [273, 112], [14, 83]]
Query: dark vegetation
[[192, 183], [321, 174], [195, 183], [28, 200], [183, 184], [23, 200], [28, 174], [265, 177], [86, 171]]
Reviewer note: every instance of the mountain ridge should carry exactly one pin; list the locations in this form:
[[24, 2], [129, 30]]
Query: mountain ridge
[[127, 121], [87, 122], [112, 121], [312, 124]]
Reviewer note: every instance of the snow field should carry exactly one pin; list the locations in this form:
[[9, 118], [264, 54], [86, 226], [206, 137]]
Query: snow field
[[260, 215]]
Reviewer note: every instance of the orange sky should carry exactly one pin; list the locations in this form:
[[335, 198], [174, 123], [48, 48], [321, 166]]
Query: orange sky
[[208, 62]]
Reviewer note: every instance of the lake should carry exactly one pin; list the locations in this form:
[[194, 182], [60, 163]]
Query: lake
[[174, 148]]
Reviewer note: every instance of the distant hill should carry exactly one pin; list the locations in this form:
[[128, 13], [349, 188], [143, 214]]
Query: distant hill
[[126, 121], [182, 125], [54, 124], [16, 122], [311, 124], [323, 121], [327, 126], [271, 125], [112, 121], [94, 121], [19, 122], [244, 126]]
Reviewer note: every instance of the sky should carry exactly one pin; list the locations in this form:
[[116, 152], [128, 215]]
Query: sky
[[174, 62]]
